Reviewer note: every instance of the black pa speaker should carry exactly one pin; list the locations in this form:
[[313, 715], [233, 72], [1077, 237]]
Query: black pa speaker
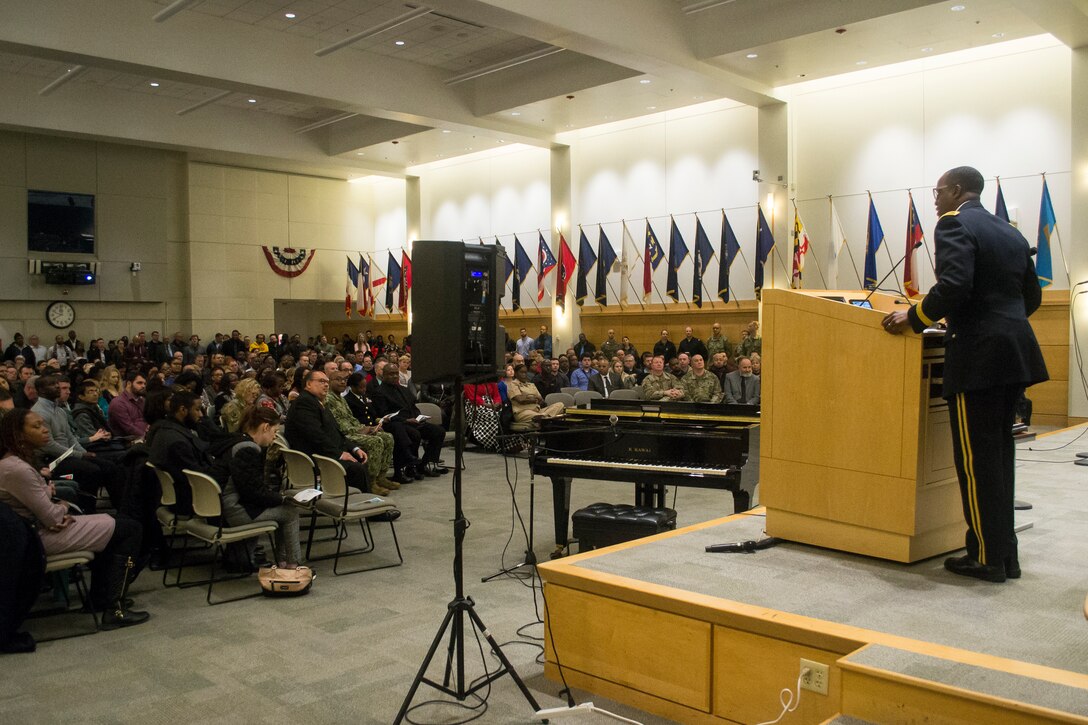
[[456, 288]]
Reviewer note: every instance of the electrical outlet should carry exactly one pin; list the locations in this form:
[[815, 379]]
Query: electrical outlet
[[816, 678]]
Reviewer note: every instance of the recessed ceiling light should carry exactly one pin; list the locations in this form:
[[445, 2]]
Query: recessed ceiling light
[[958, 8], [927, 50], [502, 140], [645, 81], [445, 130], [252, 100], [515, 113], [289, 16], [360, 153], [998, 35], [398, 42], [651, 108], [752, 55], [861, 62], [153, 84], [800, 75]]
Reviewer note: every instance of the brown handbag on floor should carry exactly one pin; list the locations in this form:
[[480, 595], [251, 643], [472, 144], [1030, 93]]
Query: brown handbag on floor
[[277, 582]]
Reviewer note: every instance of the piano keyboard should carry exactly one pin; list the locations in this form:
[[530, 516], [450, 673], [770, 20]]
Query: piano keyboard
[[648, 467]]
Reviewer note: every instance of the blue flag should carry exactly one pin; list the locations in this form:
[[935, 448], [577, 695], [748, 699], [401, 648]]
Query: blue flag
[[764, 245], [729, 248], [392, 281], [703, 254], [606, 261], [1048, 225], [874, 237], [522, 265], [1000, 210], [651, 260], [678, 252], [586, 260], [507, 268]]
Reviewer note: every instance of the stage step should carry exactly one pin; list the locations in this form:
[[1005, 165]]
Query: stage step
[[886, 684]]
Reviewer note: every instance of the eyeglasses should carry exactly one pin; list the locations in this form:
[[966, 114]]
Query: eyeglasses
[[938, 189]]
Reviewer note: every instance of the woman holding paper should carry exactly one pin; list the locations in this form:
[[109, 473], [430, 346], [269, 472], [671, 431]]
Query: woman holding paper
[[258, 496], [115, 542]]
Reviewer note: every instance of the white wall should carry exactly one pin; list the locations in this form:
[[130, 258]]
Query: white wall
[[901, 128]]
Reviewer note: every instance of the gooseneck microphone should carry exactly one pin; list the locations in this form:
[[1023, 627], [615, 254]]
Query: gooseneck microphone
[[890, 271]]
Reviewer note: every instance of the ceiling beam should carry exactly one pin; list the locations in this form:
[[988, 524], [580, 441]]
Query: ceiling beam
[[1066, 20]]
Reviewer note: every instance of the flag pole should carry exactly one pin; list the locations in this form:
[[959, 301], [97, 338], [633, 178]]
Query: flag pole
[[623, 251], [925, 244], [1065, 262], [679, 289], [853, 263], [654, 281]]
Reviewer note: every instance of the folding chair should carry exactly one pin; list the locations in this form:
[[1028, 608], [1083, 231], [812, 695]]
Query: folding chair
[[565, 398], [623, 394], [584, 396], [340, 504], [302, 474], [208, 505], [72, 562], [172, 524]]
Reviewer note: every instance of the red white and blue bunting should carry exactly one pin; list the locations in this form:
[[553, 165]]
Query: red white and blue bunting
[[288, 261]]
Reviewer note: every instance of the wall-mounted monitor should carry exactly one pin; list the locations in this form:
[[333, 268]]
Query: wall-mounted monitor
[[60, 222]]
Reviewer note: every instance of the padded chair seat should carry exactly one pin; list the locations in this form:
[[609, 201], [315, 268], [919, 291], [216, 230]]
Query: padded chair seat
[[166, 520], [60, 562], [605, 524], [359, 504], [523, 427], [210, 532]]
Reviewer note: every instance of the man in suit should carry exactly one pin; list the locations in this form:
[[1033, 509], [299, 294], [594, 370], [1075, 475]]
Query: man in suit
[[311, 429], [986, 289], [392, 397], [742, 386], [605, 381]]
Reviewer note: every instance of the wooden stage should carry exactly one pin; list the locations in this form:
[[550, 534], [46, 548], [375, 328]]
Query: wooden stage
[[695, 657]]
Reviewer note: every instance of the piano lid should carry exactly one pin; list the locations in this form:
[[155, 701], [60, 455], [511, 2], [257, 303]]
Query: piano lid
[[653, 410]]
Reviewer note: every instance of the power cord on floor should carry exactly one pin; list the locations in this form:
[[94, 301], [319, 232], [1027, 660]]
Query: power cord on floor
[[787, 699]]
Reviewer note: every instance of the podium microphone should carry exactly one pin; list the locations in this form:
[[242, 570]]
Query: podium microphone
[[892, 270]]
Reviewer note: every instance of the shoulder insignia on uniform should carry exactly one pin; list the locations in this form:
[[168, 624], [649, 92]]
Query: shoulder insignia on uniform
[[954, 212]]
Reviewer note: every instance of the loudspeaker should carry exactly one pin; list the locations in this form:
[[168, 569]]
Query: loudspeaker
[[456, 289]]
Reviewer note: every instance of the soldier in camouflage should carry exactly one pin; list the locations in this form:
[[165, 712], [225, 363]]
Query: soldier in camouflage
[[700, 385], [717, 342], [378, 447], [660, 385]]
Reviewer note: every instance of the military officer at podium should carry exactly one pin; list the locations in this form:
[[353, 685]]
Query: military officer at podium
[[986, 289]]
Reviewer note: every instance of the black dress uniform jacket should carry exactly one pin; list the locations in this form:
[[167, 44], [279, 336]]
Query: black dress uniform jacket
[[986, 289]]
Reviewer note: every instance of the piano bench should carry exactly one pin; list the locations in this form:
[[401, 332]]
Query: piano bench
[[605, 524]]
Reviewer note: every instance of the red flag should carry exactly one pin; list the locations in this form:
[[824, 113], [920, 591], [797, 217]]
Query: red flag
[[405, 281], [567, 265], [914, 237]]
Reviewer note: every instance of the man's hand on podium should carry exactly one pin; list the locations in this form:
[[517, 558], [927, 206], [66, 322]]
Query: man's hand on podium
[[896, 322]]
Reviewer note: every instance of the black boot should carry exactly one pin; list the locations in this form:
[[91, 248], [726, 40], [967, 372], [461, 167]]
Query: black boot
[[118, 615]]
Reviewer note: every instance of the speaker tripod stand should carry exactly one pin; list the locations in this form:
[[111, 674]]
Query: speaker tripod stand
[[461, 606]]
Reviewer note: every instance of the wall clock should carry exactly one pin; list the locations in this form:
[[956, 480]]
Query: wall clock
[[60, 315]]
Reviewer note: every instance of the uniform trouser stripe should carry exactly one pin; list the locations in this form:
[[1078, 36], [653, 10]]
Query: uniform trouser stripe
[[969, 472]]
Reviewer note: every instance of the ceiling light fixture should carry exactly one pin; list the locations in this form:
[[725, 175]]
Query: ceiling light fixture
[[515, 113], [398, 42], [504, 65], [252, 100], [861, 62], [645, 81], [153, 84], [752, 55], [68, 75], [206, 102], [651, 108], [445, 130], [370, 32], [927, 50], [172, 9], [698, 7], [290, 16], [998, 36], [326, 122], [958, 8]]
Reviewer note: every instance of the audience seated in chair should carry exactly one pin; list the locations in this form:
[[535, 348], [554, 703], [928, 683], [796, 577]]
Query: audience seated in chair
[[742, 386], [391, 397]]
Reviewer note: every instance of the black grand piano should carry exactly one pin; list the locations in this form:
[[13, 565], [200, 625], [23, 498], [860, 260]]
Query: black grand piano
[[653, 444]]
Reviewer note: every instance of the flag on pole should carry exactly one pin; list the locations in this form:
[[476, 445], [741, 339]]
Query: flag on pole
[[914, 236], [626, 242], [729, 248], [838, 239], [365, 303], [678, 252], [764, 245], [392, 281], [353, 284], [1000, 210], [507, 267], [874, 237], [1048, 226], [650, 260], [801, 245], [703, 254], [522, 265], [567, 265], [606, 261], [586, 260], [405, 281], [545, 262]]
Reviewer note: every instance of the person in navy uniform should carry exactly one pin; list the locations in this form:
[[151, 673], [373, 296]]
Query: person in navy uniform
[[986, 289]]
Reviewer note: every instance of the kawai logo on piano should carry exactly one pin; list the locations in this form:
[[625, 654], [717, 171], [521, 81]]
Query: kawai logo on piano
[[639, 450]]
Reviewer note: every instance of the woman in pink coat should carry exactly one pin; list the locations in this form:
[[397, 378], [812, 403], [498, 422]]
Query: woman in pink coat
[[114, 541]]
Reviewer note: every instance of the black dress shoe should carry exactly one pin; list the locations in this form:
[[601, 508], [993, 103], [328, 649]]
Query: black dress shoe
[[1012, 567], [966, 566], [387, 516], [402, 477], [431, 470]]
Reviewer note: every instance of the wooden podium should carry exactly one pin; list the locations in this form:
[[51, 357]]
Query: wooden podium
[[856, 446]]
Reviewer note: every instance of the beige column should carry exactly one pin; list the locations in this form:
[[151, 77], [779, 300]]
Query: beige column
[[566, 323], [413, 223], [773, 129], [1076, 250]]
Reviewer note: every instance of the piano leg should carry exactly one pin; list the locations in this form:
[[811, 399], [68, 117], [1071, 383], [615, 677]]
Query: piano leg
[[741, 501], [561, 509]]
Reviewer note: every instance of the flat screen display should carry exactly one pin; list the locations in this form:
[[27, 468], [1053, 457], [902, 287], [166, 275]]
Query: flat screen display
[[862, 303], [60, 222]]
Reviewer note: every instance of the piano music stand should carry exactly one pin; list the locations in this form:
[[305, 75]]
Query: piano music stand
[[460, 606]]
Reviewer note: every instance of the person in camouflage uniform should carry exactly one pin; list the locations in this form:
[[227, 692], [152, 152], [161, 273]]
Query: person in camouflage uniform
[[700, 385], [610, 347], [660, 385], [378, 447], [717, 342], [750, 341]]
